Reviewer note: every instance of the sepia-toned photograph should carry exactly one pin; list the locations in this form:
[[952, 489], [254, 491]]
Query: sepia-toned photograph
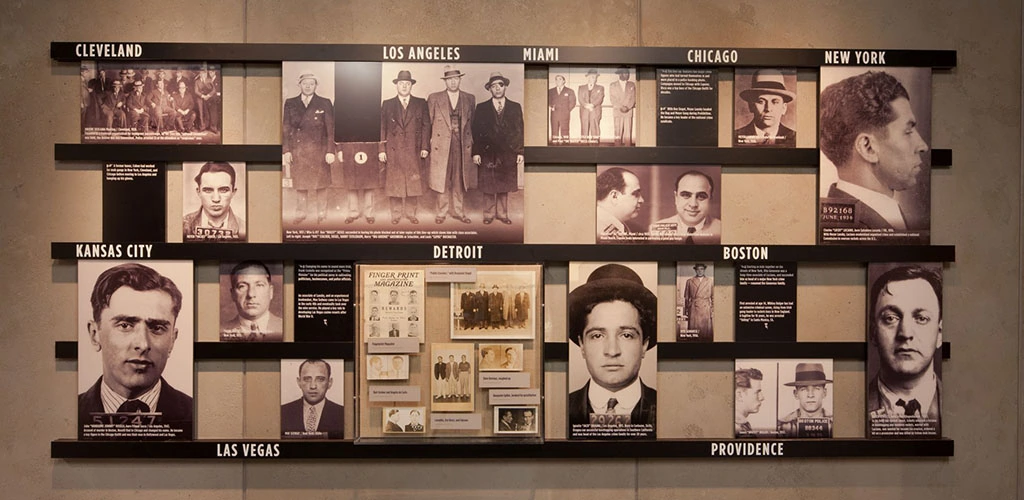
[[213, 201], [396, 420], [764, 108], [515, 419], [756, 398], [499, 305], [252, 301], [592, 105], [452, 384], [150, 103], [312, 406], [387, 367], [135, 373], [393, 303], [501, 357], [695, 301], [808, 413]]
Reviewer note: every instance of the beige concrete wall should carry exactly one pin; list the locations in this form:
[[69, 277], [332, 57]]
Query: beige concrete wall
[[976, 207]]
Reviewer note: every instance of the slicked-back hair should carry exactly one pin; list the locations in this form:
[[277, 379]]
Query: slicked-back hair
[[135, 276], [861, 103], [612, 179], [711, 183], [745, 375], [214, 167], [906, 273]]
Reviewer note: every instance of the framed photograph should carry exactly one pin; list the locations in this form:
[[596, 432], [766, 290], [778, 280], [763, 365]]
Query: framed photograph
[[387, 367], [452, 384], [695, 301], [764, 108], [499, 305], [213, 201], [805, 398], [393, 303], [252, 301], [515, 419], [404, 420], [312, 404], [756, 398], [592, 105], [501, 357]]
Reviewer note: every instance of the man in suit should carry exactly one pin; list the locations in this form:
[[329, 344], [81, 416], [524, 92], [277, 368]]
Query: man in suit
[[768, 99], [252, 292], [308, 146], [440, 379], [415, 421], [699, 302], [591, 97], [692, 223], [207, 88], [561, 101], [869, 132], [619, 199], [623, 95], [134, 311], [405, 141], [313, 415], [214, 220], [905, 326], [392, 424], [138, 108], [498, 147], [452, 171], [394, 331], [453, 376], [613, 319], [529, 423], [506, 423], [748, 400], [161, 106], [810, 391], [184, 109], [113, 106]]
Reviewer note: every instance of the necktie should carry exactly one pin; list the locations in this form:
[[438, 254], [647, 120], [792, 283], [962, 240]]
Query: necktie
[[690, 231], [501, 106], [767, 138], [133, 406], [311, 420], [911, 408], [612, 402], [254, 331]]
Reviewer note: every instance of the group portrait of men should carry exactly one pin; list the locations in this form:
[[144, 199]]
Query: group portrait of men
[[494, 308], [585, 89], [453, 378]]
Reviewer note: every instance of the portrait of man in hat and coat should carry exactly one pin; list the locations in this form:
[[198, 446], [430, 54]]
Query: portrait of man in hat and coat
[[613, 319], [811, 418], [497, 148], [699, 303], [768, 99], [452, 171], [591, 96], [623, 96], [405, 142], [307, 146]]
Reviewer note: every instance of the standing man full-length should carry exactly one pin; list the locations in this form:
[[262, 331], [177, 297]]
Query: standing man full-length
[[498, 148], [452, 171], [308, 145], [404, 135]]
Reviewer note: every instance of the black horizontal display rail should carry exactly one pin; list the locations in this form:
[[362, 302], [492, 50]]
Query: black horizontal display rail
[[498, 253], [559, 351], [551, 449], [530, 54], [256, 153], [245, 350]]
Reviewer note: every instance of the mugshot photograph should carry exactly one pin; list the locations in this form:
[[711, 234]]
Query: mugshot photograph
[[213, 201], [311, 402], [251, 301], [686, 204], [805, 398], [765, 108]]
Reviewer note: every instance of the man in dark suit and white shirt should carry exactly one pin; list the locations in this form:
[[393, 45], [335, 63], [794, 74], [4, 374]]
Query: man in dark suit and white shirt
[[561, 101], [313, 415], [498, 148], [768, 99], [591, 96], [405, 141], [307, 146]]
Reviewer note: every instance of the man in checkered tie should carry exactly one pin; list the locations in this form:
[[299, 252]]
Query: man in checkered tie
[[313, 415]]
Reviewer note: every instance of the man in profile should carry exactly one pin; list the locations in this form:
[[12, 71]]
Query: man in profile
[[252, 292], [623, 96], [619, 199], [488, 360], [561, 101], [405, 141], [415, 421], [134, 311], [811, 418], [307, 146], [768, 99], [748, 399], [506, 423], [613, 319], [699, 302], [497, 148], [692, 222], [591, 97], [215, 220], [452, 171], [313, 415], [392, 424]]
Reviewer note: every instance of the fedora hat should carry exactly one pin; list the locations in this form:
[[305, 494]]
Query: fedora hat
[[592, 72], [608, 283], [808, 374], [451, 72], [496, 76], [404, 76], [767, 81]]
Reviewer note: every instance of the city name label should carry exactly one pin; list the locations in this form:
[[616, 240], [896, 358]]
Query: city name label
[[249, 450], [113, 251], [747, 449], [745, 253], [108, 50], [860, 57], [475, 252]]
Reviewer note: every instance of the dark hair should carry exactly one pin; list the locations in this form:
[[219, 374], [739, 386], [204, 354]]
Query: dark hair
[[857, 104], [392, 411], [906, 273], [316, 360], [613, 178], [745, 375], [235, 271], [135, 276], [414, 410], [648, 316], [214, 167], [675, 187]]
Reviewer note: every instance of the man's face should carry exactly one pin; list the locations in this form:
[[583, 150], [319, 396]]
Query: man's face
[[404, 88], [899, 148], [510, 355], [768, 110], [699, 270], [314, 382], [613, 345], [693, 199], [252, 292], [215, 192], [376, 363], [135, 336], [749, 399], [506, 417], [489, 356], [397, 363], [498, 89], [181, 87], [160, 84], [624, 76], [451, 359], [560, 81], [374, 311], [414, 417], [528, 418], [591, 79], [907, 329], [463, 357], [307, 86], [453, 83], [440, 359], [393, 296], [630, 200], [810, 397]]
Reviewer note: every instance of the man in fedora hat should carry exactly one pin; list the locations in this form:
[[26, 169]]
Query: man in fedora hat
[[591, 97], [811, 418], [561, 100], [768, 99], [613, 319], [498, 148], [699, 302], [405, 139], [452, 170], [308, 146], [623, 95]]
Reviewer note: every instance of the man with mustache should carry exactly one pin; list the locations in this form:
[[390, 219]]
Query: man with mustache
[[252, 292], [313, 415]]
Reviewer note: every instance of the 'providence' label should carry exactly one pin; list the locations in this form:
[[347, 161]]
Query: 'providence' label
[[747, 449]]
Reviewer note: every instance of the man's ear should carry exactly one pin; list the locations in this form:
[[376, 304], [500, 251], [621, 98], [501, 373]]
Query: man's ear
[[169, 349], [94, 330], [863, 145], [938, 338]]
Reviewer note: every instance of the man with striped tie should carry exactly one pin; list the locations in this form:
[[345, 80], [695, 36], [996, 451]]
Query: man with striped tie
[[313, 415]]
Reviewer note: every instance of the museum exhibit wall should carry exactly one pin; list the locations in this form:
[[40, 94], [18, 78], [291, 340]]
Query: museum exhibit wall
[[976, 205]]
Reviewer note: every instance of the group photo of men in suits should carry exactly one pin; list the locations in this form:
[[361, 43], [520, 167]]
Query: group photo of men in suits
[[306, 411], [594, 92], [494, 308], [453, 370]]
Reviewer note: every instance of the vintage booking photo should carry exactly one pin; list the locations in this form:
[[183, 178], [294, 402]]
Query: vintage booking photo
[[515, 419], [874, 135], [695, 301], [499, 305], [501, 357], [392, 303], [135, 373], [150, 103], [613, 360], [387, 367], [312, 404], [904, 366], [764, 108], [453, 376], [756, 398], [592, 105], [252, 301], [404, 419], [439, 156], [213, 201], [805, 398]]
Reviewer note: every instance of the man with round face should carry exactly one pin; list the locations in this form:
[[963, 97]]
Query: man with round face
[[398, 370], [488, 360], [511, 358], [376, 368], [133, 327], [393, 298], [768, 99], [452, 170], [313, 415], [498, 147], [561, 101], [809, 389], [308, 147], [252, 291], [215, 220], [184, 108], [415, 421], [619, 199], [692, 223], [405, 142], [748, 399], [528, 423]]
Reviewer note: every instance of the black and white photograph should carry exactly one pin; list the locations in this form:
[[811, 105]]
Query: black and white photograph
[[132, 316], [252, 301], [874, 180], [453, 374], [403, 419], [695, 301], [658, 204], [387, 367], [805, 398], [312, 405], [756, 398], [501, 357], [904, 366], [515, 420], [393, 303], [499, 305], [613, 360], [213, 201], [150, 103], [764, 108], [592, 105]]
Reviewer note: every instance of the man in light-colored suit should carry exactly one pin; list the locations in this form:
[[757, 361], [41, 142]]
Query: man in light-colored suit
[[623, 94], [452, 171]]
